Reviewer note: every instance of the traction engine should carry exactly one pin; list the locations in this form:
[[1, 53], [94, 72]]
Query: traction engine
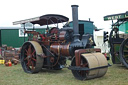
[[51, 49], [118, 40]]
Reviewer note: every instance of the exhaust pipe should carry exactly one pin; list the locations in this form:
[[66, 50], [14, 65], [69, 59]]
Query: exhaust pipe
[[75, 22]]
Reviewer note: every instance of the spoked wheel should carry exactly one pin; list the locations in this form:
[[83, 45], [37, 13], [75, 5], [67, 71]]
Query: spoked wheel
[[124, 52], [80, 74], [30, 60]]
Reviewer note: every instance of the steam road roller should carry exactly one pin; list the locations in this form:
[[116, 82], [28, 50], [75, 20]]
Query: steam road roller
[[51, 49]]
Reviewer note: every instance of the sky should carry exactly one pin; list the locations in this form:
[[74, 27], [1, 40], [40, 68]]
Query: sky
[[15, 10]]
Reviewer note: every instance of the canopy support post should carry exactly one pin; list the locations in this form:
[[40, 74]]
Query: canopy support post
[[24, 31]]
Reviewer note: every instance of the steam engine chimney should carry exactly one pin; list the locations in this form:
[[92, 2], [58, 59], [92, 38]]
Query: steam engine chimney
[[75, 22]]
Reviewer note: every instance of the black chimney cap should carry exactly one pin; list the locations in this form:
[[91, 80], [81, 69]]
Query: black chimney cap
[[75, 6]]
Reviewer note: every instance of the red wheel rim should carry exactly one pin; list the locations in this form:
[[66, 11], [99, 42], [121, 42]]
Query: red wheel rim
[[30, 57]]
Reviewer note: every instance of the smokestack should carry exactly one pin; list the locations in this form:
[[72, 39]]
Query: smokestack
[[75, 22]]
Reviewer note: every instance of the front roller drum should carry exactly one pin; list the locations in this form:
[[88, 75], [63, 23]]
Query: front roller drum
[[92, 65], [30, 60]]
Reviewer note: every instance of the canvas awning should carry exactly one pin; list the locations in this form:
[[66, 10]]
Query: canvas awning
[[44, 20]]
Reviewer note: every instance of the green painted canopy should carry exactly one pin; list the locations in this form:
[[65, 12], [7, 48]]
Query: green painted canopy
[[116, 16]]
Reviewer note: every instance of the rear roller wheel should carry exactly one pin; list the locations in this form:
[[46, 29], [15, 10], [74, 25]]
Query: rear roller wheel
[[30, 60], [124, 52]]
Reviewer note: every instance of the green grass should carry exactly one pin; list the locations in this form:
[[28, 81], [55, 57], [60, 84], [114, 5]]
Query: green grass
[[116, 75]]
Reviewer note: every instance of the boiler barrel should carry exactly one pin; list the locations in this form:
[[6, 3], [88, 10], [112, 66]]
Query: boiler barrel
[[60, 49]]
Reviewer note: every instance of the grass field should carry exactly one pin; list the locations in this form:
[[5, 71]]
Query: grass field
[[116, 75]]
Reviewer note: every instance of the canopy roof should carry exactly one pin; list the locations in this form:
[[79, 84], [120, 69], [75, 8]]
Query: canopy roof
[[44, 20], [116, 16]]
